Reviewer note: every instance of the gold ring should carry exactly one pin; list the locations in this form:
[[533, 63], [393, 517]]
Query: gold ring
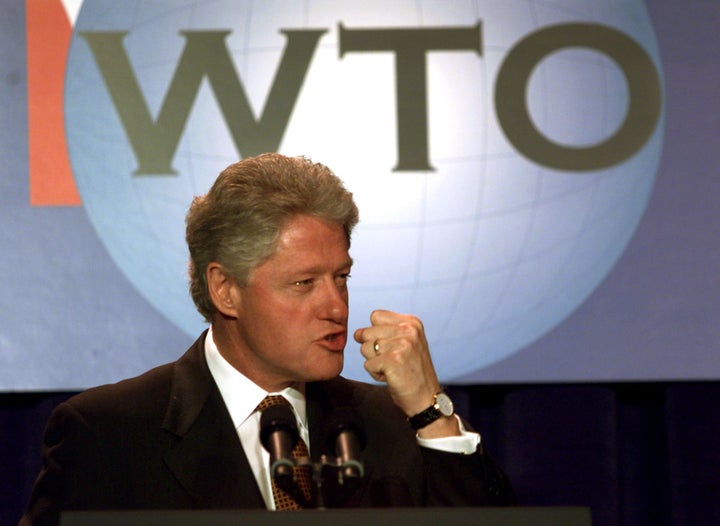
[[376, 346]]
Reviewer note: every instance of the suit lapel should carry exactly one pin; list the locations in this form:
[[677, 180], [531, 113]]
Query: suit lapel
[[208, 459]]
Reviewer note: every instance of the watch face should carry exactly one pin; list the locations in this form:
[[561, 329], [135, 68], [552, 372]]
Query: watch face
[[444, 404]]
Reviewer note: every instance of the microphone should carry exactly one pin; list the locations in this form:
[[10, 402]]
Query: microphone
[[279, 434], [347, 439]]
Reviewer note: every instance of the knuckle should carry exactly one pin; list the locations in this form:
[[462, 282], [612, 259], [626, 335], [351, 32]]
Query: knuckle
[[412, 329]]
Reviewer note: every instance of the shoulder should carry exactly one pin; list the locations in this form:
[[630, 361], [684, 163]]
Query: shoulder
[[132, 393], [140, 396]]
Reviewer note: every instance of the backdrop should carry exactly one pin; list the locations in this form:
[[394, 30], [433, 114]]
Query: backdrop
[[535, 179]]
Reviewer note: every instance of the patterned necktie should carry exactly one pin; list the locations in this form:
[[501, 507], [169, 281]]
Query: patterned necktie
[[301, 474]]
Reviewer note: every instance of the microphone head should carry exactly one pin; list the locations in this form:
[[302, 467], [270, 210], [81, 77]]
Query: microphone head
[[278, 418], [345, 419]]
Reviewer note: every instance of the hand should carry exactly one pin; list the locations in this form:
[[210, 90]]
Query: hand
[[397, 353]]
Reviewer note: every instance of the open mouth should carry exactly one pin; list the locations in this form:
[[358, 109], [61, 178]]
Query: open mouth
[[335, 341]]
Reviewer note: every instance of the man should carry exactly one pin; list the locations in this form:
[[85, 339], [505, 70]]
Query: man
[[269, 266]]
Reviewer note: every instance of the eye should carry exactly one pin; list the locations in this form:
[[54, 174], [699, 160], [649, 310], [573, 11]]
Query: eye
[[304, 282], [342, 279]]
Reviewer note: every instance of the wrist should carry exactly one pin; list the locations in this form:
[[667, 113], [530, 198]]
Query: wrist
[[440, 409], [445, 426]]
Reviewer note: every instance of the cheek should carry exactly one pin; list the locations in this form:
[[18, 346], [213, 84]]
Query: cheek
[[287, 321]]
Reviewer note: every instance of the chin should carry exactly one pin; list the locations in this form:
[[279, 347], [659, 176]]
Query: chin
[[329, 371]]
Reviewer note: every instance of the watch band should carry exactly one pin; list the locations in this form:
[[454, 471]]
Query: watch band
[[432, 413], [424, 418]]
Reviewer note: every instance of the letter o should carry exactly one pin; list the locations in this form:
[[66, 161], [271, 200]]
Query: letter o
[[643, 107]]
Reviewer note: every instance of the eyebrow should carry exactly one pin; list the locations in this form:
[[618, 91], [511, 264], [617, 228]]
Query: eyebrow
[[317, 270]]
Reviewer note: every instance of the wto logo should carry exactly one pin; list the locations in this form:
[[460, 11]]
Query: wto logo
[[496, 161], [206, 56]]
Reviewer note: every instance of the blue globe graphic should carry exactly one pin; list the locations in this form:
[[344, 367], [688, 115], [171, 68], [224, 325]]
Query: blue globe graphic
[[490, 249]]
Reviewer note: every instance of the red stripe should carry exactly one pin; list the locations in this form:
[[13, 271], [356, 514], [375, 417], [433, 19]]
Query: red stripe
[[48, 39]]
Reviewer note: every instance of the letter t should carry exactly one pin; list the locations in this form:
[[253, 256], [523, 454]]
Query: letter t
[[410, 47]]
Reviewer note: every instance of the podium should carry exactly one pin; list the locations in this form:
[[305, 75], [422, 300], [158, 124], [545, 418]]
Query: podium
[[520, 516]]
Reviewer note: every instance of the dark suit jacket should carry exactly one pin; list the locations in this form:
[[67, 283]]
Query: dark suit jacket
[[165, 440]]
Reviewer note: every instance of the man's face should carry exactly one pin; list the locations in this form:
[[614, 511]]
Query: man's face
[[293, 312]]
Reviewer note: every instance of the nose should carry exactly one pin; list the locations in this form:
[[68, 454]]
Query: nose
[[334, 302]]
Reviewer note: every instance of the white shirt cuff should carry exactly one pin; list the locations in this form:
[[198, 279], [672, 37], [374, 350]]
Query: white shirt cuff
[[465, 444]]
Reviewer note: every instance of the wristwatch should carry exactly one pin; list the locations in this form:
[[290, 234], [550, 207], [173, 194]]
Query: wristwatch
[[442, 406]]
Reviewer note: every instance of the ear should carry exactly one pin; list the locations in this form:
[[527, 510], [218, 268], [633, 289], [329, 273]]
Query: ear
[[223, 289]]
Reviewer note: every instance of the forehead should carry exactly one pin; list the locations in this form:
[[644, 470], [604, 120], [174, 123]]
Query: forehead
[[309, 241]]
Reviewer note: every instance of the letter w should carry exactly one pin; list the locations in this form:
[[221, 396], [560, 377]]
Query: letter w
[[205, 54]]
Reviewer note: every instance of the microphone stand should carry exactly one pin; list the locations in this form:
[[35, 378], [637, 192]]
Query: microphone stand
[[328, 465]]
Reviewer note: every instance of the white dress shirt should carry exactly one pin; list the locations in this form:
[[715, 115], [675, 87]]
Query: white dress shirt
[[242, 396]]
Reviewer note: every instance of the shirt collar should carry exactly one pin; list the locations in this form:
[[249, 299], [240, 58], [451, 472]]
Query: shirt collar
[[242, 395]]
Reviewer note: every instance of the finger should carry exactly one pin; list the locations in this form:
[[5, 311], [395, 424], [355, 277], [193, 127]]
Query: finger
[[377, 318], [399, 323], [372, 348], [375, 332], [375, 371], [385, 317], [359, 335], [367, 349]]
